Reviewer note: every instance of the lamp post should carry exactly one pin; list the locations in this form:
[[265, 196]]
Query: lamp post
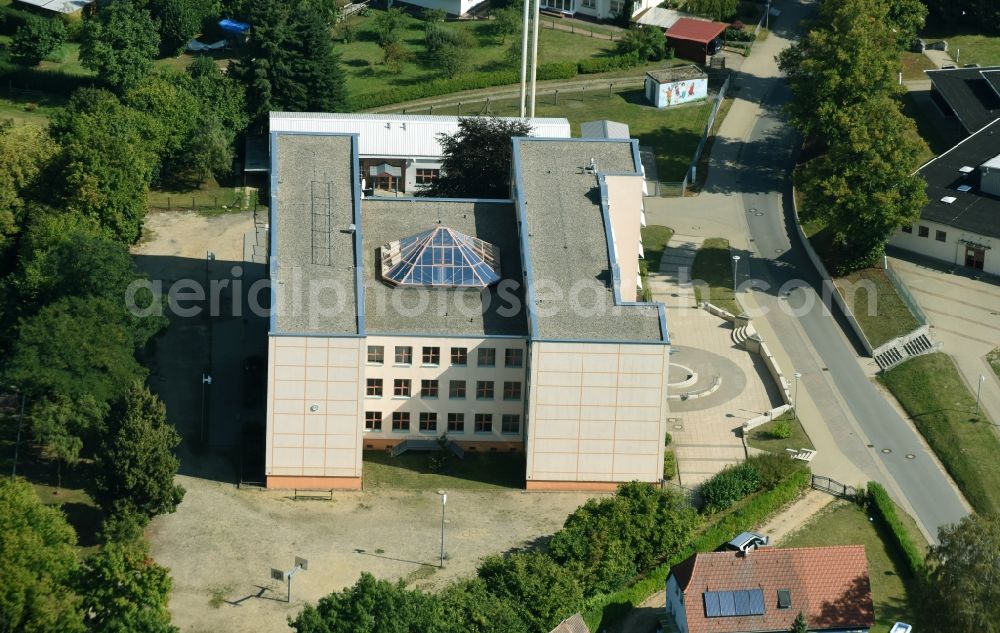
[[767, 16], [444, 501], [736, 267], [979, 392], [795, 397]]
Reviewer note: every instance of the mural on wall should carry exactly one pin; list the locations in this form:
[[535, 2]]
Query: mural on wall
[[679, 92]]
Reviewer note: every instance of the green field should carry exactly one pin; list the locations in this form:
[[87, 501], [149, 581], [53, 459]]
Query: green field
[[914, 65], [844, 523], [943, 409], [713, 265], [971, 48], [994, 360], [413, 471], [888, 318], [762, 438]]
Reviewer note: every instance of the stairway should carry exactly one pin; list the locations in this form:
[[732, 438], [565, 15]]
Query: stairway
[[904, 347], [742, 333]]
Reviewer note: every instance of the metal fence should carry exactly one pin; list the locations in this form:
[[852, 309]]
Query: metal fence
[[904, 294], [691, 175], [834, 487]]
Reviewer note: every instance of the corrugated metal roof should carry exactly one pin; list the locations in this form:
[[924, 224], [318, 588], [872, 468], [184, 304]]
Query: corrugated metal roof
[[604, 129], [395, 135]]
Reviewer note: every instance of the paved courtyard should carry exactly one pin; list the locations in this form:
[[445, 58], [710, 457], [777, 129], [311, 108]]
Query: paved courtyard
[[732, 386]]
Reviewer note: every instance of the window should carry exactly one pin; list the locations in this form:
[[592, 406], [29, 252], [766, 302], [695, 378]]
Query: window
[[588, 4], [456, 389], [374, 387], [616, 6], [510, 423], [428, 389], [941, 236], [923, 231], [401, 421], [373, 420], [428, 421], [484, 390], [487, 357], [427, 176], [908, 228], [456, 423], [511, 390], [404, 355], [513, 358], [401, 388], [376, 354], [459, 356], [484, 423], [431, 356]]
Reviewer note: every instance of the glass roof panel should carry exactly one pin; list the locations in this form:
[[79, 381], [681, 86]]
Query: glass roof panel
[[440, 257]]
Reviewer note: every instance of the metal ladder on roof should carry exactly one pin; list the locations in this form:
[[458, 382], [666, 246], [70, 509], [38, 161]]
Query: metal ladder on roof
[[321, 201]]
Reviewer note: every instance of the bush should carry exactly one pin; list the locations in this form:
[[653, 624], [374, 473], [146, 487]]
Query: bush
[[608, 64], [738, 35], [562, 70], [774, 468], [36, 39], [12, 19], [782, 430], [669, 465], [729, 486], [668, 439], [879, 502], [437, 36]]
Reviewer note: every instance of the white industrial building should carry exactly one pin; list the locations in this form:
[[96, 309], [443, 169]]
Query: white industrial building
[[399, 153], [509, 325]]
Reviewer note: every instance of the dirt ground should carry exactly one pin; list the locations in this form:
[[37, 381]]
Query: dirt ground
[[222, 541]]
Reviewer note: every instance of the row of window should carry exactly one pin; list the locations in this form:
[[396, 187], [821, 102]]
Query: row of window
[[456, 389], [485, 356], [923, 231], [428, 421], [427, 176]]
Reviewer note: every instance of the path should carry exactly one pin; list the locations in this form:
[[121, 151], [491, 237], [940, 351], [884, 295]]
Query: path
[[748, 195]]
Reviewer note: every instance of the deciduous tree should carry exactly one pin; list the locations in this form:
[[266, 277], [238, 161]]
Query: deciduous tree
[[715, 9], [645, 41], [477, 159], [541, 591], [25, 150], [963, 589], [506, 22], [180, 20], [60, 424], [36, 39], [119, 44]]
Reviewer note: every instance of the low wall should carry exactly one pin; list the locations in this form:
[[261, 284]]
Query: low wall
[[828, 285], [767, 417], [772, 368], [719, 312]]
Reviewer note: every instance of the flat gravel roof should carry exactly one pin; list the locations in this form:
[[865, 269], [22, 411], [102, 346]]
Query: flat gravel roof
[[567, 244], [498, 310], [315, 271]]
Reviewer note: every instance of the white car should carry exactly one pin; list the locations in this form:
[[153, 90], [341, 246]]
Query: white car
[[901, 627]]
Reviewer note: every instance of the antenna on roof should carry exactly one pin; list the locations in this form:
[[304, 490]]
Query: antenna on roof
[[592, 167]]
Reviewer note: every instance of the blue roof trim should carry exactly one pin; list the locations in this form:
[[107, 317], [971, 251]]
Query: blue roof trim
[[429, 199], [576, 140], [600, 341], [613, 259], [273, 216], [359, 283], [314, 335], [507, 337], [636, 158], [522, 229]]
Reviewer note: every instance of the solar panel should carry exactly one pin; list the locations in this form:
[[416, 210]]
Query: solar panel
[[742, 602], [756, 602], [727, 603], [712, 604]]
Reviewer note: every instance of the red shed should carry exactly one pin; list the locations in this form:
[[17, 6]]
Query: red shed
[[690, 38]]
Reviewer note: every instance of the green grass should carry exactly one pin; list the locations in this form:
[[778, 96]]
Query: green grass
[[365, 73], [210, 195], [844, 523], [914, 65], [713, 265], [993, 358], [761, 438], [411, 471], [888, 318], [972, 49], [654, 242], [27, 108], [943, 409]]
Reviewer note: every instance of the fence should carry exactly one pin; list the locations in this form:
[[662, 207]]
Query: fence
[[904, 294], [834, 487], [691, 174]]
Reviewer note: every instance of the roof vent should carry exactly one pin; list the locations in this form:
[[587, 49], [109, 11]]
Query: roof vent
[[784, 598], [948, 199], [964, 188], [966, 169]]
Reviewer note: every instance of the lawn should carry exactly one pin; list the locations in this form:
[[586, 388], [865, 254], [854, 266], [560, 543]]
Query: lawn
[[412, 470], [713, 265], [365, 73], [844, 523], [972, 49], [943, 409], [762, 438], [654, 242], [209, 196], [914, 65], [876, 305], [993, 358]]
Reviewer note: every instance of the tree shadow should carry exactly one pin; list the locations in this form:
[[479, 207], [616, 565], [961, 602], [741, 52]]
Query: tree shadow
[[852, 609], [86, 520]]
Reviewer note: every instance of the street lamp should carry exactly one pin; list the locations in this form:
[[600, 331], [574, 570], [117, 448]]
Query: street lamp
[[795, 398], [767, 16], [979, 392], [736, 267], [444, 501]]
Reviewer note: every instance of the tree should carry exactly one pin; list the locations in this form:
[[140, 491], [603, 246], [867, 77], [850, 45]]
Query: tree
[[964, 593], [173, 114], [37, 563], [179, 21], [506, 22], [25, 150], [716, 9], [36, 39], [135, 467], [388, 26], [624, 17], [434, 15], [395, 54], [469, 607], [907, 18], [477, 159], [539, 590], [374, 606], [107, 161], [123, 590], [800, 625], [119, 44], [60, 424], [645, 41]]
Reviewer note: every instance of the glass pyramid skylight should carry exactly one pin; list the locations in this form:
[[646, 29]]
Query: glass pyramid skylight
[[441, 257]]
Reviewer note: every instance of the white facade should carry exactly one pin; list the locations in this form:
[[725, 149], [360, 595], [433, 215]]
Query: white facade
[[625, 210], [950, 245], [600, 9], [454, 7]]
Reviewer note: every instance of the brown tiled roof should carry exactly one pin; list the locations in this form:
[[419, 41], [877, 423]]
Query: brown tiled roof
[[572, 624], [829, 585]]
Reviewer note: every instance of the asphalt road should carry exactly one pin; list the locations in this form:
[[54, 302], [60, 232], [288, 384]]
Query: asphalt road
[[889, 444]]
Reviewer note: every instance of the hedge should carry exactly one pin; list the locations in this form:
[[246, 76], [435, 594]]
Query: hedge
[[602, 611], [11, 19], [607, 64], [52, 81], [882, 505]]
